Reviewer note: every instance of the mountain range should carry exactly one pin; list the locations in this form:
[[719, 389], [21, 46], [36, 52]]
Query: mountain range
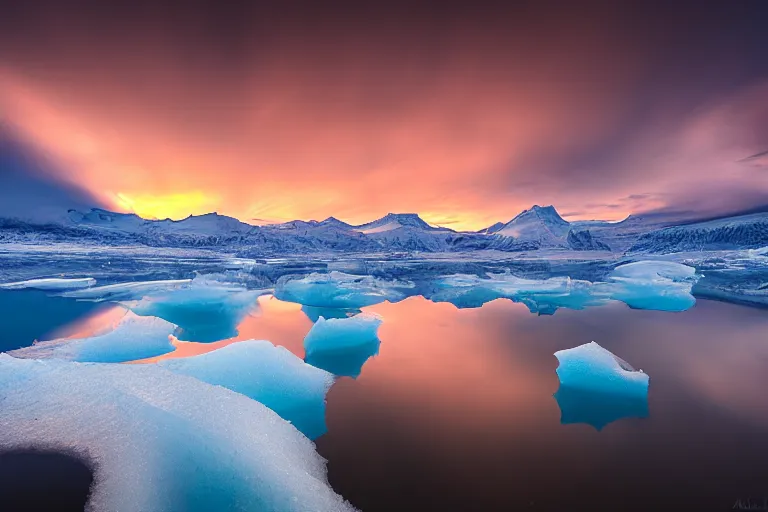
[[539, 227]]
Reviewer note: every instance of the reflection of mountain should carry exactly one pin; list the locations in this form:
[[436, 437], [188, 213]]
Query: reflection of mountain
[[598, 409]]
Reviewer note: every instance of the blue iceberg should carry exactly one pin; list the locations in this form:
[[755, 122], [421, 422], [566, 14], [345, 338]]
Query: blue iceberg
[[205, 310], [268, 374], [161, 441], [592, 368], [660, 285], [342, 345], [133, 338]]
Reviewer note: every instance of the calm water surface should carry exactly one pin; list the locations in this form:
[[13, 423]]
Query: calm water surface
[[457, 412]]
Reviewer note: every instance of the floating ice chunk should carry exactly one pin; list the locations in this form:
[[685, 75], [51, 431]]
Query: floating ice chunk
[[660, 285], [161, 441], [592, 368], [598, 409], [133, 338], [314, 313], [269, 374], [339, 290], [53, 283], [205, 311], [126, 291], [342, 345], [541, 296]]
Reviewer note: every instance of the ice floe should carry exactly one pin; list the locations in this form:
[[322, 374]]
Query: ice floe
[[590, 367], [342, 345], [339, 290], [204, 310], [271, 375], [126, 291], [161, 441], [596, 408], [52, 283], [658, 285], [133, 338]]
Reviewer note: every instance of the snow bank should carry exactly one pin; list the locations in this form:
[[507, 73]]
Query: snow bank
[[268, 374], [160, 441], [133, 338]]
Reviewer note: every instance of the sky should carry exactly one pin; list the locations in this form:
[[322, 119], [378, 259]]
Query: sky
[[465, 113]]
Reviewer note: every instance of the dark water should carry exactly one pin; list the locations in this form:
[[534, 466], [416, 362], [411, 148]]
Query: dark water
[[36, 481], [457, 410]]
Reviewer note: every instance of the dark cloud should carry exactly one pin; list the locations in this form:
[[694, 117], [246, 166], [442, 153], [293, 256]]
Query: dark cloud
[[30, 187]]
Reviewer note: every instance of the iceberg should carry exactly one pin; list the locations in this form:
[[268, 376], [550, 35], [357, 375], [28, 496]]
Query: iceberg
[[126, 291], [133, 338], [342, 345], [339, 290], [592, 368], [52, 283], [161, 441], [268, 374], [660, 285], [205, 311], [542, 296]]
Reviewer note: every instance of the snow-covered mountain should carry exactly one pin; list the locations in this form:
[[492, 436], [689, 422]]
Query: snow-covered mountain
[[742, 232], [392, 221], [536, 228], [539, 227]]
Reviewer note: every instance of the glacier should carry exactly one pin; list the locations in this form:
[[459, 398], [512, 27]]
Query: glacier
[[338, 290], [51, 283], [133, 338], [343, 345], [592, 368], [268, 374], [161, 441]]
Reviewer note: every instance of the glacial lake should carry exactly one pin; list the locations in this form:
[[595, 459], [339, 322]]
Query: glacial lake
[[459, 409]]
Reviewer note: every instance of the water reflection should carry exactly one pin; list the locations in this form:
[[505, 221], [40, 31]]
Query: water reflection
[[597, 409]]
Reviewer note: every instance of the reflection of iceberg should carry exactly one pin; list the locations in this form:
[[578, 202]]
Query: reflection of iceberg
[[50, 284], [205, 311], [269, 374], [590, 367], [598, 409], [314, 313], [161, 441], [339, 290], [132, 338], [656, 285], [126, 291], [342, 345]]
